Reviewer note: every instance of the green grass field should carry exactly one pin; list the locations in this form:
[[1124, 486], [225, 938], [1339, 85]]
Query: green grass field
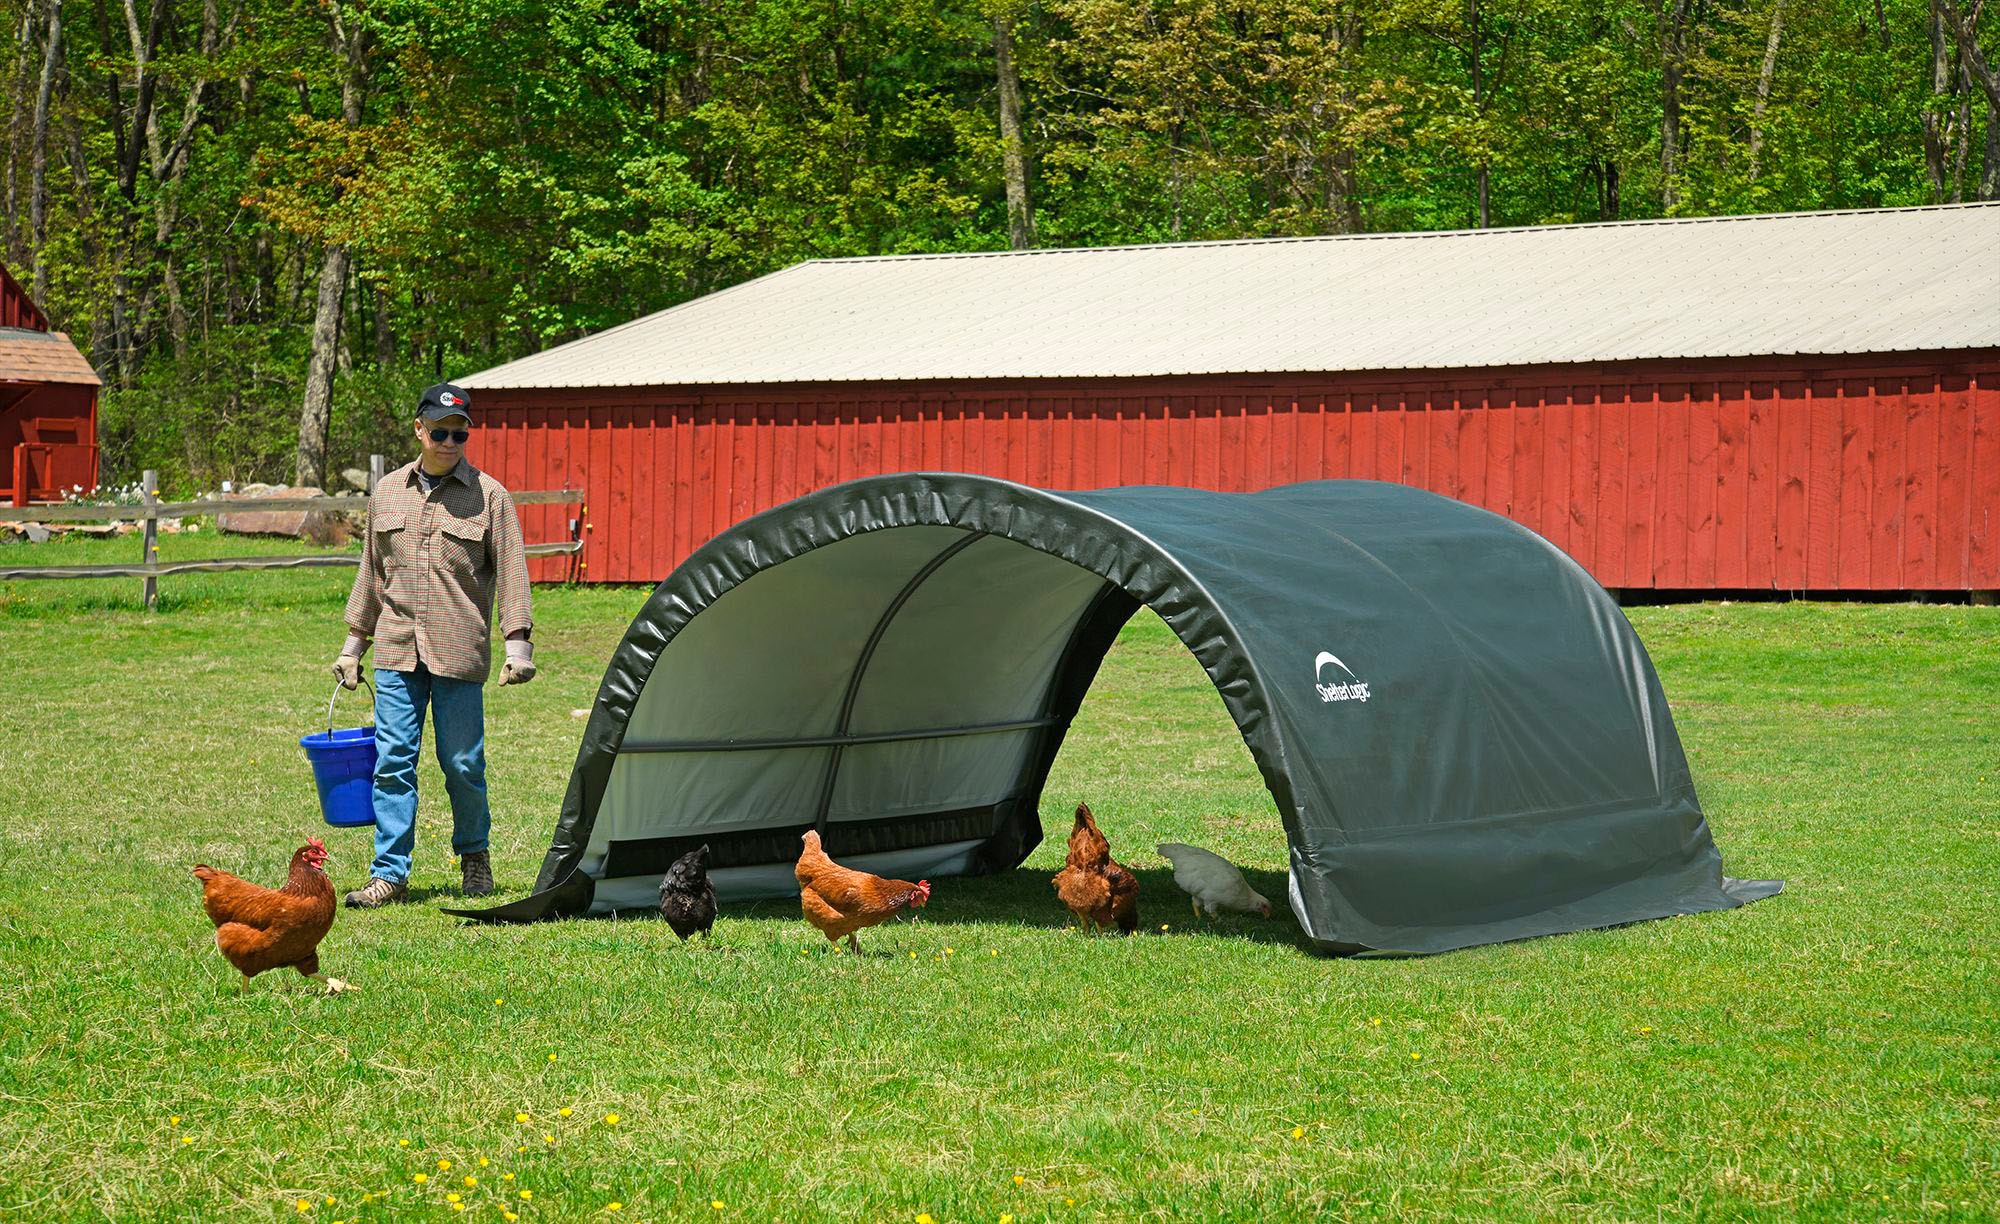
[[1830, 1053]]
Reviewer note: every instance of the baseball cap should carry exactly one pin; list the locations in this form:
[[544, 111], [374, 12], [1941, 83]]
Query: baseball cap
[[442, 401]]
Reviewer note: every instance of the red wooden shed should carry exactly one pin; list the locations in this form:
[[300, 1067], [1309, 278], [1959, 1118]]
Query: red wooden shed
[[1804, 402], [48, 405]]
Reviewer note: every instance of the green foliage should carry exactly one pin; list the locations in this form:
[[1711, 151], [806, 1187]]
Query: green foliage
[[524, 173]]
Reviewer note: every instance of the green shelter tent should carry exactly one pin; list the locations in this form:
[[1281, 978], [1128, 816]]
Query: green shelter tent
[[1465, 740]]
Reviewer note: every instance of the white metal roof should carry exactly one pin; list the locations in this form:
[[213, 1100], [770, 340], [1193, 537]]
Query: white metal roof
[[1879, 281]]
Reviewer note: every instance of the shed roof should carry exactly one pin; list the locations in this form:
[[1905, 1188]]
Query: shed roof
[[42, 357], [1888, 280]]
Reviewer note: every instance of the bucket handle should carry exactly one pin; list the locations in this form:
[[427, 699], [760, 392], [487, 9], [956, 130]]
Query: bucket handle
[[336, 697]]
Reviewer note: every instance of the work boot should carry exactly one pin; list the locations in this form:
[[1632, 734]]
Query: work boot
[[477, 872], [378, 892]]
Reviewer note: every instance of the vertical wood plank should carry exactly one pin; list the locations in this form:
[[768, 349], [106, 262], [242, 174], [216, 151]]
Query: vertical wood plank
[[1885, 550], [1823, 481], [1983, 480], [1792, 415], [1857, 467], [1673, 423], [1732, 488], [1920, 450]]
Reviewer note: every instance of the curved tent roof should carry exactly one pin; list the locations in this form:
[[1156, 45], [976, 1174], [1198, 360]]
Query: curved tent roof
[[1465, 740]]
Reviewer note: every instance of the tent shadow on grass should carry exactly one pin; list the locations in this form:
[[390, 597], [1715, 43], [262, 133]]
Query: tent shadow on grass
[[1024, 898]]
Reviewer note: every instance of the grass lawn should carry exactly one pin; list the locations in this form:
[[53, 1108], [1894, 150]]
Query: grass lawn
[[1830, 1053]]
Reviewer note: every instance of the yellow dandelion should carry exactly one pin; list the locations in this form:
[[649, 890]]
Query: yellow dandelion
[[483, 1162], [1645, 1028], [1166, 926], [444, 1164], [1006, 1218], [552, 1058], [951, 951], [509, 1216], [506, 1177], [1069, 1202], [1416, 1057], [498, 1002], [924, 1217], [520, 1117], [520, 1148], [995, 952], [421, 1178], [1374, 1022], [614, 1205], [913, 956], [304, 1205], [1018, 1179], [402, 1143], [330, 1200], [565, 1111], [451, 1198], [174, 1121], [186, 1139], [718, 1204], [611, 1119], [548, 1138], [527, 1195], [458, 1206], [1298, 1132], [470, 1180]]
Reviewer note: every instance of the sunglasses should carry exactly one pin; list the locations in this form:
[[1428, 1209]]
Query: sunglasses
[[456, 435]]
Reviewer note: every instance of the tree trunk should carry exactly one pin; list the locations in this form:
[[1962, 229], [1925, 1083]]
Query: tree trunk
[[385, 339], [1014, 154], [1479, 109], [317, 413], [1937, 142], [24, 66], [38, 189], [1673, 68], [1973, 59], [1764, 78]]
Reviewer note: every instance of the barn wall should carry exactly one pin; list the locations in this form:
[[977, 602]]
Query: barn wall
[[1881, 475]]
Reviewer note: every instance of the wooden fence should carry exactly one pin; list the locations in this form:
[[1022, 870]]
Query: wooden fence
[[151, 510]]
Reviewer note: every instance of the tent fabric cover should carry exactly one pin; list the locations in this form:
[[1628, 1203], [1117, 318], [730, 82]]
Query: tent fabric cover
[[1464, 737]]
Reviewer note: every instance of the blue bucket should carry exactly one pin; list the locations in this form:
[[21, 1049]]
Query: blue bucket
[[343, 765]]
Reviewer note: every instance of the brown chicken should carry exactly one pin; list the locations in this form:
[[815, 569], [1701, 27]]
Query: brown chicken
[[1096, 889], [840, 901], [273, 928]]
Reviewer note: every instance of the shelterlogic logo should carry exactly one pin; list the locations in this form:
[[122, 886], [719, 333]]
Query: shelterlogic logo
[[1352, 689]]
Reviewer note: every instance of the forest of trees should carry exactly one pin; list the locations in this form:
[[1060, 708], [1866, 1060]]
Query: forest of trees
[[268, 223]]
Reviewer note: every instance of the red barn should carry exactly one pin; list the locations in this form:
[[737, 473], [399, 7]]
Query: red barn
[[1805, 402], [48, 405]]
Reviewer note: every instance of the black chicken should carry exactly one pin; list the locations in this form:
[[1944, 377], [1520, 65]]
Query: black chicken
[[687, 899]]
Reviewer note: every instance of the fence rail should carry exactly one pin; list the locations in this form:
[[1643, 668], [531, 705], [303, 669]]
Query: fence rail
[[149, 513]]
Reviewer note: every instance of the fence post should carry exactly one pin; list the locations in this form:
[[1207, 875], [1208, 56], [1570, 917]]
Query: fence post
[[376, 468], [149, 487]]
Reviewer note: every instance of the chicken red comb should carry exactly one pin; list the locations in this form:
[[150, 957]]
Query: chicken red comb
[[316, 844]]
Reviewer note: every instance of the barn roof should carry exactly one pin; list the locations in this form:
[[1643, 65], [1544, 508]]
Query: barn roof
[[42, 357], [1881, 281]]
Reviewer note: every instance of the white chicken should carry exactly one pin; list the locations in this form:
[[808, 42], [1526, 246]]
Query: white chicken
[[1213, 881]]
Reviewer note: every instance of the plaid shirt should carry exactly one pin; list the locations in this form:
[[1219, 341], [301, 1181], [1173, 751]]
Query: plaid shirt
[[430, 568]]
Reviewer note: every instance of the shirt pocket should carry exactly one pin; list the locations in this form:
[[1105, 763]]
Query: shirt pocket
[[392, 539], [461, 546]]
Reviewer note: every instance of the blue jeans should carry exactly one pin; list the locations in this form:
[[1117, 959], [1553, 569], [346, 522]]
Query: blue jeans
[[458, 711]]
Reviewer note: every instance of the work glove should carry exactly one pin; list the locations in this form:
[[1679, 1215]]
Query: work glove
[[520, 665], [347, 668]]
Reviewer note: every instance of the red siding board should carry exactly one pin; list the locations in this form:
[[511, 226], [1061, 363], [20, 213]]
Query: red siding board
[[1886, 543], [1793, 417], [1920, 448]]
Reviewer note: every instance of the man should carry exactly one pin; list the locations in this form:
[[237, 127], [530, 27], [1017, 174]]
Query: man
[[443, 543]]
